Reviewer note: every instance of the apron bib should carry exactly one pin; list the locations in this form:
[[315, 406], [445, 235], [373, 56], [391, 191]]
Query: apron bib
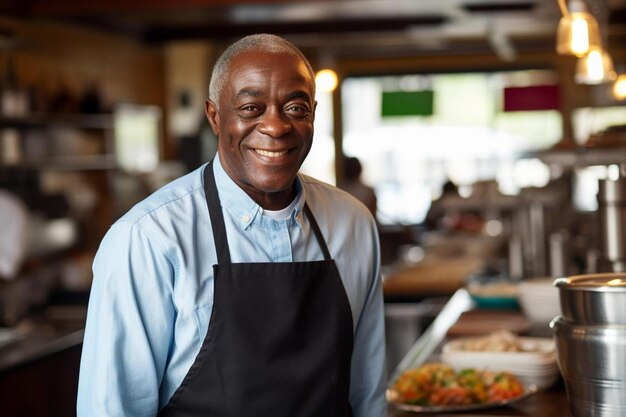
[[280, 339]]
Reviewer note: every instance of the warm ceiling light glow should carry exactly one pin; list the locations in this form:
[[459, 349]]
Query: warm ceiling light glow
[[326, 80], [578, 31], [595, 68], [619, 88]]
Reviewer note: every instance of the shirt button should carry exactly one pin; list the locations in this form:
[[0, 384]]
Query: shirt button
[[245, 218]]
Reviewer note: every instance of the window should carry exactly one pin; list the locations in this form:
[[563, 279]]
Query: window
[[467, 138], [137, 133]]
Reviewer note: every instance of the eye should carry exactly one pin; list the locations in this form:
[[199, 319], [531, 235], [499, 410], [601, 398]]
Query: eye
[[250, 110], [298, 110]]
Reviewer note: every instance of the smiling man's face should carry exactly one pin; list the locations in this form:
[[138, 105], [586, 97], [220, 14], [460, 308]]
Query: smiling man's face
[[264, 124]]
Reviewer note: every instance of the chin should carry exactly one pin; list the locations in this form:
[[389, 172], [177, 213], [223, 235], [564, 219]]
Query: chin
[[273, 181]]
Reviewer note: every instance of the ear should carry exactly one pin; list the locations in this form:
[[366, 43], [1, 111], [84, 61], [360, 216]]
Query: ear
[[212, 115]]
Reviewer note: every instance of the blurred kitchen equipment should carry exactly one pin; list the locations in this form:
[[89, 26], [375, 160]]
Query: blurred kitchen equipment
[[530, 221], [516, 257], [612, 217], [14, 229], [536, 213], [591, 343], [404, 323], [559, 253]]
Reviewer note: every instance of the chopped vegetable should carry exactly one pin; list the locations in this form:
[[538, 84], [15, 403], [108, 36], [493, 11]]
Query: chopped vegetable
[[438, 384]]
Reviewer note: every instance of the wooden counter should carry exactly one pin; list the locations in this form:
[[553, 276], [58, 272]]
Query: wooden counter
[[39, 371], [434, 276], [547, 403]]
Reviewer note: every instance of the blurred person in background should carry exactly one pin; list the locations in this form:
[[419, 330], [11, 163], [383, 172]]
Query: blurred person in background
[[352, 170], [243, 287]]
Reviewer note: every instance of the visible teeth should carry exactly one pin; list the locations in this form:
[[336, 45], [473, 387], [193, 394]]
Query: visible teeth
[[270, 153]]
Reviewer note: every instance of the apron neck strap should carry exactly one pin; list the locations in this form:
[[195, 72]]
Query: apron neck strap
[[219, 228], [318, 233], [215, 213]]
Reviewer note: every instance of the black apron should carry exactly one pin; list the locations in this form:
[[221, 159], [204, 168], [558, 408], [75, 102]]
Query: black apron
[[280, 339]]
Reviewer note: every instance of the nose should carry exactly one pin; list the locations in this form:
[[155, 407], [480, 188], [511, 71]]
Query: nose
[[274, 123]]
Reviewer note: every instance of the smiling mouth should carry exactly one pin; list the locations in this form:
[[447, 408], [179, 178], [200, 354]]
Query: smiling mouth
[[271, 154]]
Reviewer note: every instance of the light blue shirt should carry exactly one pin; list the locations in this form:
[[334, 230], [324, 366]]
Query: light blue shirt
[[152, 292]]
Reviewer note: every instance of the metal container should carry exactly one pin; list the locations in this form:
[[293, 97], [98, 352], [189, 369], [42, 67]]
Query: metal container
[[593, 298], [612, 215], [592, 360]]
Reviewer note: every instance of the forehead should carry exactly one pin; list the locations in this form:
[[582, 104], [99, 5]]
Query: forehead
[[263, 69]]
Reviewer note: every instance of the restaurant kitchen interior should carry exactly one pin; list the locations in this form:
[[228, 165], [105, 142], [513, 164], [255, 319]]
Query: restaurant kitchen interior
[[103, 103]]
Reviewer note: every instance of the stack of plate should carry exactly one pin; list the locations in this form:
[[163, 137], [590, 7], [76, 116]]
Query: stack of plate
[[536, 364], [539, 299]]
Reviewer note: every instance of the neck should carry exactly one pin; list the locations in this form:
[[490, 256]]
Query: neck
[[273, 201]]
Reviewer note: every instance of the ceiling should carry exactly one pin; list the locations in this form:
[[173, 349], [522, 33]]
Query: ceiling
[[337, 28]]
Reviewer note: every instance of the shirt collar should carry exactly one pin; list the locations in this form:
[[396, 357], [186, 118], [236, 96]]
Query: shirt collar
[[243, 208]]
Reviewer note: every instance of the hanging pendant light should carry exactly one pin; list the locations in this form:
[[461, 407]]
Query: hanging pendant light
[[578, 30], [619, 88], [595, 68]]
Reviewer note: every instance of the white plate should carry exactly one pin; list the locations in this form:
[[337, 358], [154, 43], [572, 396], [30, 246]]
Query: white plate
[[535, 349], [528, 390], [538, 367]]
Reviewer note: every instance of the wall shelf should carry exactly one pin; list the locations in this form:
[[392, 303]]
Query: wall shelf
[[71, 163], [583, 157], [78, 121]]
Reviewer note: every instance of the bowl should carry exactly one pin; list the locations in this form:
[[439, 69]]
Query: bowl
[[593, 298], [539, 300], [497, 295]]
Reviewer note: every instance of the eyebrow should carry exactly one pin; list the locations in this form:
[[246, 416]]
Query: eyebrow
[[299, 94], [249, 93], [246, 92]]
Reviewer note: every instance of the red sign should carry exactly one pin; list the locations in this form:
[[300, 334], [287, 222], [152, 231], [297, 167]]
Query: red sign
[[536, 97]]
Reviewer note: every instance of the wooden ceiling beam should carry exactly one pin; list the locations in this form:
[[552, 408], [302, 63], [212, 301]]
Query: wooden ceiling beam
[[226, 30], [71, 8]]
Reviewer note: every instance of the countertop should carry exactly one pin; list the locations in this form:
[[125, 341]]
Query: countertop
[[39, 367], [41, 336], [433, 276]]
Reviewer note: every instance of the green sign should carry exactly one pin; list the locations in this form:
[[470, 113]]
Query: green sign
[[407, 103]]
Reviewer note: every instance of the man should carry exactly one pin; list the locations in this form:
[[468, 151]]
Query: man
[[268, 303], [352, 170]]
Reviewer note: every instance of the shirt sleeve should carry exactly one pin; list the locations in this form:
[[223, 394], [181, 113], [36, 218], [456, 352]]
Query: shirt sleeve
[[123, 360], [367, 379]]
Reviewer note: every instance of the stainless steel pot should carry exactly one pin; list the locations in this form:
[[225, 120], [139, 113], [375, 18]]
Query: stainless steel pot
[[593, 298], [592, 360]]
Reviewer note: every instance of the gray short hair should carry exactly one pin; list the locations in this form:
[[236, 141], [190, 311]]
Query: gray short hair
[[262, 42]]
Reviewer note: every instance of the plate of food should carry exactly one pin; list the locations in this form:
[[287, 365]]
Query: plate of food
[[437, 387]]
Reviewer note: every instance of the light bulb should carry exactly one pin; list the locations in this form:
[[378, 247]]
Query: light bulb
[[619, 88], [326, 80], [578, 31], [580, 37], [595, 68]]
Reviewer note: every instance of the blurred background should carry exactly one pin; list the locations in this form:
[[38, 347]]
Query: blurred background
[[484, 147]]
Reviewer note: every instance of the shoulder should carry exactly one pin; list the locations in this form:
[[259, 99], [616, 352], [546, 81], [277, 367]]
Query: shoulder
[[178, 196], [334, 202]]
